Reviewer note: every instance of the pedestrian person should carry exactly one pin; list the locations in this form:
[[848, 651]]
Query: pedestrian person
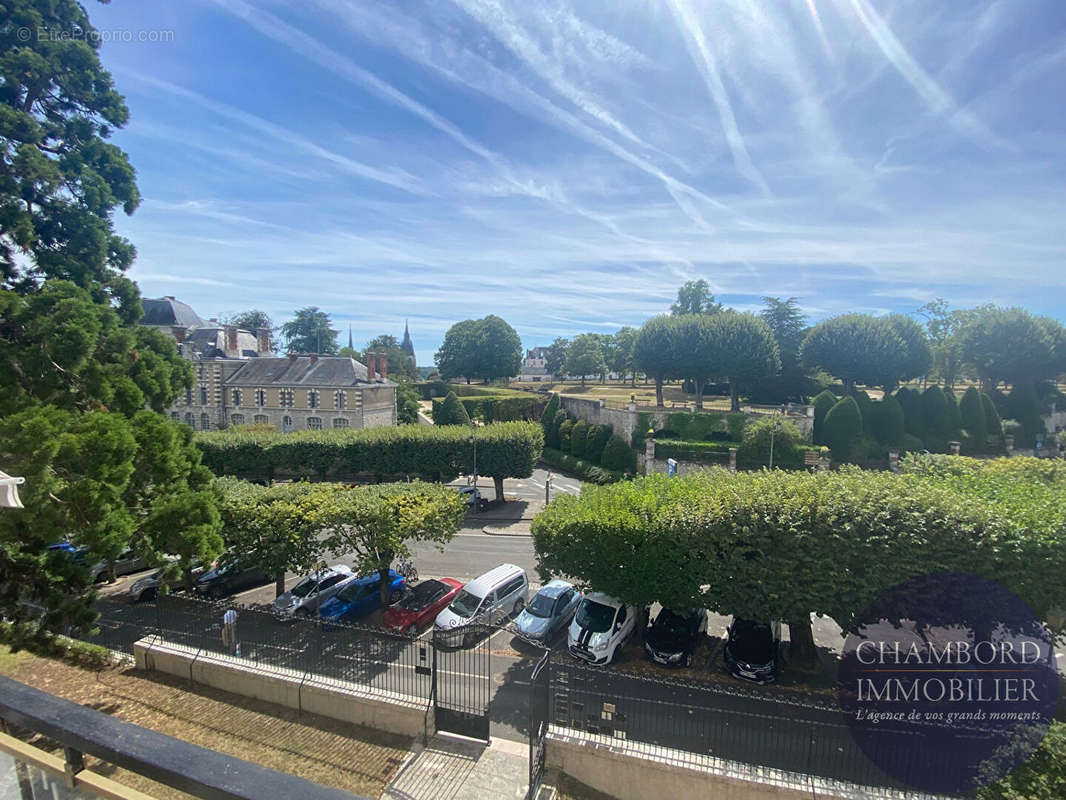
[[229, 632]]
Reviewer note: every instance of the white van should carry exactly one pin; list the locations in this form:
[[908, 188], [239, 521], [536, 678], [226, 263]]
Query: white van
[[489, 599], [600, 627]]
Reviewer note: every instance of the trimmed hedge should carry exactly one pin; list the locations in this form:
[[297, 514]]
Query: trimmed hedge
[[618, 456], [450, 411], [842, 427], [499, 407], [429, 390], [583, 469], [578, 434], [504, 450], [702, 452], [788, 453]]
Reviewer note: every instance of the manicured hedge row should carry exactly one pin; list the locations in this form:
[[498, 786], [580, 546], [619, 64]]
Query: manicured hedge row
[[499, 407], [504, 450], [583, 469], [432, 389], [788, 456]]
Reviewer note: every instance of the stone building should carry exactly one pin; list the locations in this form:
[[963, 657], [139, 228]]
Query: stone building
[[239, 381]]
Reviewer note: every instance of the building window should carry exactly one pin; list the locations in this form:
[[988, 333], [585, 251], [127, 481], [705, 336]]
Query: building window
[[205, 422], [312, 398], [203, 395], [260, 397], [188, 395], [236, 397], [287, 398], [236, 419], [314, 423], [286, 424], [189, 420], [340, 400], [262, 419], [340, 422], [174, 415]]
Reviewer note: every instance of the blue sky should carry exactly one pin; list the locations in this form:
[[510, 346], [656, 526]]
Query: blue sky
[[568, 165]]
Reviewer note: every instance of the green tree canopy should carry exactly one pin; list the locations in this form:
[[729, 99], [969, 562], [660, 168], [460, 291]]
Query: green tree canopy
[[842, 426], [486, 348], [620, 354], [555, 360], [694, 297], [822, 403], [852, 347], [585, 356], [254, 320], [696, 350], [744, 350], [656, 351], [309, 331], [913, 360], [400, 365], [787, 323], [1010, 344]]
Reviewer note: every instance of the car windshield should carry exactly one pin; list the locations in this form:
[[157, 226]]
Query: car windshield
[[541, 606], [304, 587], [421, 596], [594, 616], [671, 622], [351, 591], [465, 604], [752, 641]]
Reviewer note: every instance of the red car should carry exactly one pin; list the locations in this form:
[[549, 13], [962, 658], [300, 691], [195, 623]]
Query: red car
[[420, 606]]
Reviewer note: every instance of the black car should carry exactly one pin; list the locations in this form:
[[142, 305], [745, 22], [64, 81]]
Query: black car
[[751, 650], [672, 637], [229, 578]]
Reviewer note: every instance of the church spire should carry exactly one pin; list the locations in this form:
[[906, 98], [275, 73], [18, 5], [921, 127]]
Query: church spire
[[407, 345], [350, 336]]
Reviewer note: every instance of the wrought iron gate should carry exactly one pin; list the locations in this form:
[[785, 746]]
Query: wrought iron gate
[[462, 680], [538, 721]]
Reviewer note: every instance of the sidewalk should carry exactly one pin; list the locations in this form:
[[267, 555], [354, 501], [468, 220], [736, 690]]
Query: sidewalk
[[454, 768]]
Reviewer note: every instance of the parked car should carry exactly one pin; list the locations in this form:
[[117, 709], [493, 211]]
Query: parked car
[[671, 638], [361, 596], [419, 607], [549, 612], [751, 650], [472, 495], [228, 578], [147, 588], [601, 626], [305, 597], [487, 600], [127, 563]]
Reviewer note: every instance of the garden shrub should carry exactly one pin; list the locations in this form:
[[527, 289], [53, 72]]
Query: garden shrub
[[596, 441], [954, 415], [865, 405], [935, 413], [564, 435], [450, 411], [578, 434], [585, 470], [755, 449], [992, 420], [822, 403], [617, 456], [886, 421], [912, 444], [736, 424], [547, 416], [843, 424], [972, 412], [910, 401], [557, 424]]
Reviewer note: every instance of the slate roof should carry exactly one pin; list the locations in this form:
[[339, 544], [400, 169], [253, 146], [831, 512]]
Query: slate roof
[[299, 371], [168, 311], [210, 342]]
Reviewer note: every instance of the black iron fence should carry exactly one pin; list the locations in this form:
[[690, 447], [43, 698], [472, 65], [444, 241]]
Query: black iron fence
[[719, 727]]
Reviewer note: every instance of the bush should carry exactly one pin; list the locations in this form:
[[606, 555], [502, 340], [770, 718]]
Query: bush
[[557, 423], [564, 435], [936, 415], [506, 449], [954, 415], [547, 416], [1026, 408], [406, 404], [886, 421], [450, 411], [579, 467], [972, 412], [992, 420], [702, 452], [865, 405], [596, 441], [617, 456], [822, 403], [913, 413], [578, 434], [843, 424], [912, 444], [755, 449]]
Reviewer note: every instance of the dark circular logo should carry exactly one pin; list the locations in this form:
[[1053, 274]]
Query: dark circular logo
[[948, 682]]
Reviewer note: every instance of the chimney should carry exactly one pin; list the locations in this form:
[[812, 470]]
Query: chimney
[[232, 351], [383, 365], [370, 365], [179, 333], [262, 339], [314, 358]]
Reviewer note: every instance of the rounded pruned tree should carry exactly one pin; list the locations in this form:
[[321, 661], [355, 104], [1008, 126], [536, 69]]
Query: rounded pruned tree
[[886, 421], [842, 426], [656, 351], [822, 403], [744, 350], [852, 347], [451, 411]]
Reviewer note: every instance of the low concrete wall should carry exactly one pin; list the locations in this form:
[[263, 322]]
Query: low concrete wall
[[631, 774], [384, 711]]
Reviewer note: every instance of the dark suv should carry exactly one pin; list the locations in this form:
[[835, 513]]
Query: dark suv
[[672, 637], [751, 650]]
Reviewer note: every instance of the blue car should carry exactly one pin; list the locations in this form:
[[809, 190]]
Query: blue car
[[362, 596], [549, 612]]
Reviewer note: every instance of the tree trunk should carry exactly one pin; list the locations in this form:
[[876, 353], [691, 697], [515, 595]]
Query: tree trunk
[[734, 397], [498, 484], [802, 653], [849, 386], [658, 391], [698, 386], [467, 381], [582, 380], [279, 584], [383, 576]]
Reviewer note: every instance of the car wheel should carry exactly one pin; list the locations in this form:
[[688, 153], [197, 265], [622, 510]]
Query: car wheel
[[148, 595]]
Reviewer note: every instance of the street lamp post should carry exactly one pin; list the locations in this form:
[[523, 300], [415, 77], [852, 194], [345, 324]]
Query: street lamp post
[[473, 441], [547, 489], [773, 430]]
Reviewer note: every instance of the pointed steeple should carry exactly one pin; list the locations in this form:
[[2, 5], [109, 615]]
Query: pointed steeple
[[350, 337], [407, 345]]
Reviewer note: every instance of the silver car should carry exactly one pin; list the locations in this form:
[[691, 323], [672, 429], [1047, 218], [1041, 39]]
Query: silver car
[[147, 588], [550, 611], [305, 597], [125, 564]]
